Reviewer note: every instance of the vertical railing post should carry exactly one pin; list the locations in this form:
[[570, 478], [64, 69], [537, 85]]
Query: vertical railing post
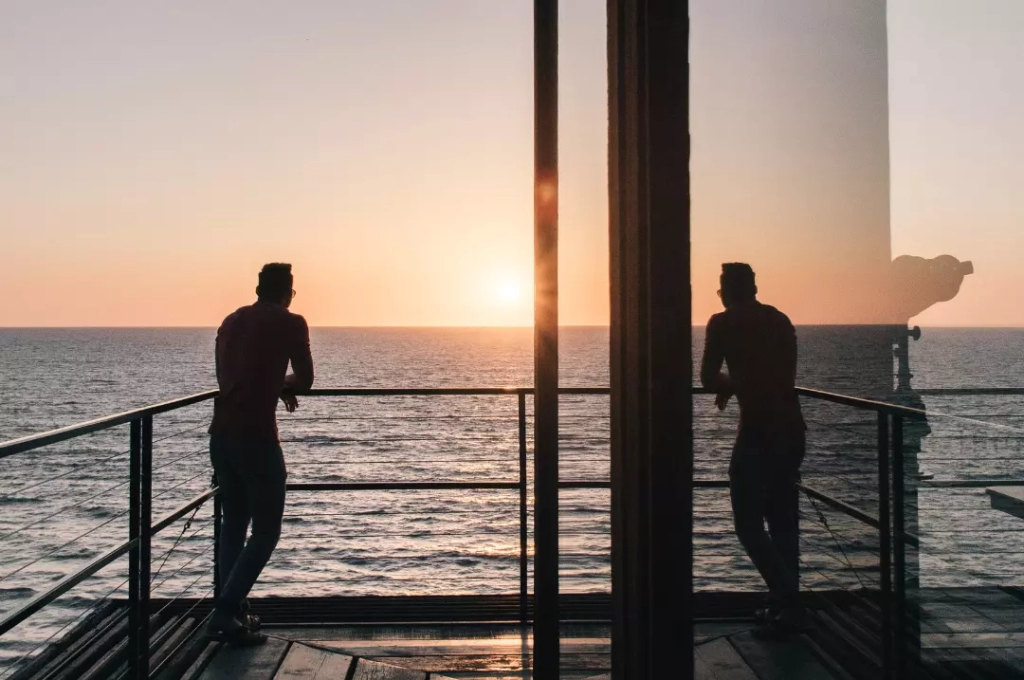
[[217, 516], [135, 552], [899, 546], [546, 645], [145, 542], [524, 519], [885, 543]]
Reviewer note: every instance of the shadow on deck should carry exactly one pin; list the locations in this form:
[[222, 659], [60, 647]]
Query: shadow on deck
[[963, 633]]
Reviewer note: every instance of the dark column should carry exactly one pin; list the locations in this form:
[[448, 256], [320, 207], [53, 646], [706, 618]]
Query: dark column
[[545, 347], [652, 444]]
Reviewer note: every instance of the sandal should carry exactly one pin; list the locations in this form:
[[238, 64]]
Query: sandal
[[238, 637], [782, 625], [251, 621]]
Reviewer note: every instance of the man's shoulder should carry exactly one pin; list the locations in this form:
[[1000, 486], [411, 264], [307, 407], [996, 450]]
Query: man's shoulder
[[233, 316], [297, 320], [777, 314], [718, 318], [286, 322]]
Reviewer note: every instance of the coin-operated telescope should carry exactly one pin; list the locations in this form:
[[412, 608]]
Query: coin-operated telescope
[[916, 284]]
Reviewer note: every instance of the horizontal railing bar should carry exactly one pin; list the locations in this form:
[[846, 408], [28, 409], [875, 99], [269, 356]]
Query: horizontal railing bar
[[842, 507], [63, 434], [449, 391], [851, 511], [398, 486], [70, 582], [606, 484], [64, 586], [970, 484], [969, 391], [182, 511], [863, 404], [441, 486]]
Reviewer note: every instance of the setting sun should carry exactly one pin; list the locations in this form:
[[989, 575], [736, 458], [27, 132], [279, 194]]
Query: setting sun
[[509, 292]]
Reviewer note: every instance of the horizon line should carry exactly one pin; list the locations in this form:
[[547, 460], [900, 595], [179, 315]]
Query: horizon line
[[486, 327]]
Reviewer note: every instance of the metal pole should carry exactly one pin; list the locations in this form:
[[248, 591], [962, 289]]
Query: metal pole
[[217, 517], [145, 537], [524, 546], [134, 554], [546, 651], [885, 543], [899, 545]]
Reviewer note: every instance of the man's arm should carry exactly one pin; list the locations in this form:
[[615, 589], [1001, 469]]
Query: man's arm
[[216, 357], [301, 377], [711, 376], [790, 351]]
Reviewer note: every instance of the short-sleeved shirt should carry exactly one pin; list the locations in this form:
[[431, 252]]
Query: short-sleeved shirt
[[758, 344], [254, 346]]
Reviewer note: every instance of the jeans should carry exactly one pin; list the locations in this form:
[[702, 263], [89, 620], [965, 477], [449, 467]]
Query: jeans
[[764, 471], [251, 477]]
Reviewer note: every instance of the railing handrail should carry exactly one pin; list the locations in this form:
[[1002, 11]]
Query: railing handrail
[[35, 441], [863, 404]]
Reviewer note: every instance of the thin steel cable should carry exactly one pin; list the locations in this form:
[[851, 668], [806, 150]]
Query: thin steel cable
[[63, 510], [61, 547], [824, 522]]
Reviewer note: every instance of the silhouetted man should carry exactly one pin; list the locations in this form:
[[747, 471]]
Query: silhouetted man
[[758, 344], [254, 346]]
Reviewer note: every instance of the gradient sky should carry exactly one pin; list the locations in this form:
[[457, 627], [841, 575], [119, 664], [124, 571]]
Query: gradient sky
[[153, 155]]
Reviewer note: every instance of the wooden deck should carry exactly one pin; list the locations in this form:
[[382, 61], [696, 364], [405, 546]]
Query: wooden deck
[[964, 634], [724, 651]]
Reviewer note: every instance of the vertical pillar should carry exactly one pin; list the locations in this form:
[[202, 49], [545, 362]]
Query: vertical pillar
[[524, 516], [651, 334], [545, 352], [135, 552]]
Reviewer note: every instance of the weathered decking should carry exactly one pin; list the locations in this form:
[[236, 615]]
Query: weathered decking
[[963, 633], [724, 651]]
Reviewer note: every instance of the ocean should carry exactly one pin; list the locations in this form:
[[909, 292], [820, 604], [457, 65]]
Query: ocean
[[65, 505]]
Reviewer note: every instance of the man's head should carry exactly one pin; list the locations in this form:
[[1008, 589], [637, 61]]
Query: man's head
[[275, 284], [737, 284]]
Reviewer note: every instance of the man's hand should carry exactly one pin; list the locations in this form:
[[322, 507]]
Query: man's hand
[[722, 400], [290, 402]]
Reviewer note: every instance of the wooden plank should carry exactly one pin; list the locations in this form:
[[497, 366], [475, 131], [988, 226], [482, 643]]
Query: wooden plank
[[701, 670], [972, 640], [71, 643], [831, 664], [451, 648], [306, 663], [171, 644], [246, 663], [195, 660], [493, 663], [779, 659], [372, 670], [705, 631], [723, 662]]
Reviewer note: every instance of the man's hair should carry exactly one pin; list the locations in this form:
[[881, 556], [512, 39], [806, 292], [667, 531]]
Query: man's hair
[[738, 277], [275, 281]]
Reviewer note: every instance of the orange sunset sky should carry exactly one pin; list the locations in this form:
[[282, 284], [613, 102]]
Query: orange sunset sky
[[154, 155]]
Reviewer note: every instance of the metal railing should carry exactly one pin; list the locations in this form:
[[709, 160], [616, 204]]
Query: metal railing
[[889, 522]]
